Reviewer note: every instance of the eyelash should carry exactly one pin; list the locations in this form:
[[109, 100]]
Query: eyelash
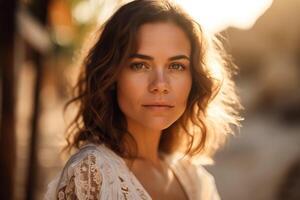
[[140, 65], [180, 65], [137, 66]]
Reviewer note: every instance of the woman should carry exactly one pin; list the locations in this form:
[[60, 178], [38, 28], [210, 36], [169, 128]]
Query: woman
[[155, 96]]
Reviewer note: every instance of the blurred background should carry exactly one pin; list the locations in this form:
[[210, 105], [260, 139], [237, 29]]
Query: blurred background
[[41, 41]]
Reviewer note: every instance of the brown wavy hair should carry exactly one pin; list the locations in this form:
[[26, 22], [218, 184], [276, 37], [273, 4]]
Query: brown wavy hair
[[212, 105]]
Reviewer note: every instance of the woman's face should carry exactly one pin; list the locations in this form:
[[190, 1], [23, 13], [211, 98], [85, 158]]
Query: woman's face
[[153, 87]]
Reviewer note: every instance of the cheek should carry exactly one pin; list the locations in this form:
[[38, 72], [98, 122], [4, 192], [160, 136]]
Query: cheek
[[124, 95], [183, 88], [129, 89]]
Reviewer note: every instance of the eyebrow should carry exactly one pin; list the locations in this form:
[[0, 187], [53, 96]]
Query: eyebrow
[[146, 57]]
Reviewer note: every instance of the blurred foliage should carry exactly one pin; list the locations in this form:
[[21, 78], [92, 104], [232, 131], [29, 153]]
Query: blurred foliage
[[71, 20]]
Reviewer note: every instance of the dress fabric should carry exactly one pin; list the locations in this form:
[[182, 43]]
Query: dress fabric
[[95, 172]]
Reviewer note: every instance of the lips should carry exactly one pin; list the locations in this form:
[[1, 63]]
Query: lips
[[158, 106], [153, 105]]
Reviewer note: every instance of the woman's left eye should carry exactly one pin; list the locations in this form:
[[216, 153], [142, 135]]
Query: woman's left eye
[[177, 66]]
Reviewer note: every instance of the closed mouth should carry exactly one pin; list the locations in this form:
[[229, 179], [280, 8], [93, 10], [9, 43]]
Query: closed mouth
[[162, 106]]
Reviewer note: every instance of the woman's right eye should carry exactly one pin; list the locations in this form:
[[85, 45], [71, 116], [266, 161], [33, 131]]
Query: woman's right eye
[[138, 66]]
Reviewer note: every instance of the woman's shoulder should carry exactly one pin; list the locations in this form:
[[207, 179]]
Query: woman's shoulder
[[203, 179], [90, 152], [83, 173], [85, 150], [200, 182], [187, 164], [90, 156]]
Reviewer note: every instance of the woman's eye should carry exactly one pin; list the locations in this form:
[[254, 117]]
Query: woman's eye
[[138, 66], [177, 66]]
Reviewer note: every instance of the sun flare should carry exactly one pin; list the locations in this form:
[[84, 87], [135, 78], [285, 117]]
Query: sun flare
[[216, 15]]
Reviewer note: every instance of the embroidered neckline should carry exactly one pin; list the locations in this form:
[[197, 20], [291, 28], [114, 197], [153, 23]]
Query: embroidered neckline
[[167, 159]]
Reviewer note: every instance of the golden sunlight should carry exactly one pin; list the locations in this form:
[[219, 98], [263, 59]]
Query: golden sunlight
[[217, 15], [214, 15]]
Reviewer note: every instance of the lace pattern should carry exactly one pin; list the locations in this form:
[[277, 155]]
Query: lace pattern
[[96, 172], [85, 184]]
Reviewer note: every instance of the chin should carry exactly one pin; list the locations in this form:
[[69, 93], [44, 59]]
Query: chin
[[159, 124]]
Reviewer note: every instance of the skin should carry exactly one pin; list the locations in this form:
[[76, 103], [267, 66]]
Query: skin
[[152, 92]]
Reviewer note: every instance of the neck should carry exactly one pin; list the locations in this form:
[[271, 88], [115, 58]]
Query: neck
[[147, 141]]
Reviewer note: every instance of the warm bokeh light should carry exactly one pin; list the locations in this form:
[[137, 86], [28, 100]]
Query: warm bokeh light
[[83, 11], [217, 15], [214, 15], [88, 10]]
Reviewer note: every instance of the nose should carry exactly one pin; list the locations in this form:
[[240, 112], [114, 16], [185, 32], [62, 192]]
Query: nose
[[159, 82]]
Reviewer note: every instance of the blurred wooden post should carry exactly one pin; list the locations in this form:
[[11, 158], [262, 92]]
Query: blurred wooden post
[[39, 10], [7, 134], [32, 170]]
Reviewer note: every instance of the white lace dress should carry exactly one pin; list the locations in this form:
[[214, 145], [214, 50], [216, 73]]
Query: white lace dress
[[96, 172]]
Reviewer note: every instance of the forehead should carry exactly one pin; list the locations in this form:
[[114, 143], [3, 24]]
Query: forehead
[[164, 37]]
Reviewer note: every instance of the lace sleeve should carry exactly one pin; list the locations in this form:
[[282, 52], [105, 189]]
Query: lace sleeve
[[84, 182]]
